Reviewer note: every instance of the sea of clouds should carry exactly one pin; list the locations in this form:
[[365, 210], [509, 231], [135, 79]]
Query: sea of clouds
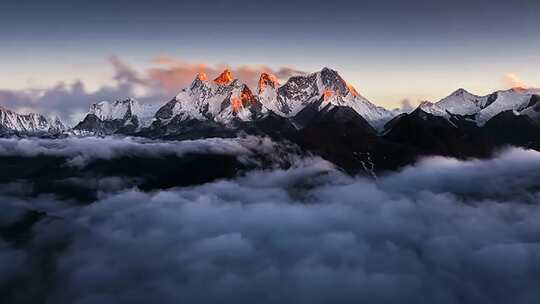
[[79, 151], [439, 231]]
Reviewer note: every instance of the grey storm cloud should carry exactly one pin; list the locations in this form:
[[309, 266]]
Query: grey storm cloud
[[431, 233]]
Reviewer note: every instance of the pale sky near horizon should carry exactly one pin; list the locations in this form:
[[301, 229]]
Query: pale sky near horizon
[[389, 50]]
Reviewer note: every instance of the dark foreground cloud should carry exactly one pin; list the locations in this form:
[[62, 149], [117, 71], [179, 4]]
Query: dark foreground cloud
[[305, 235]]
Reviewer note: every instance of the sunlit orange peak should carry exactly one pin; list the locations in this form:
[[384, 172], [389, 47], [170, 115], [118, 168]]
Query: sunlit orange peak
[[245, 99], [202, 76], [267, 79], [353, 91], [327, 94], [224, 78], [236, 103]]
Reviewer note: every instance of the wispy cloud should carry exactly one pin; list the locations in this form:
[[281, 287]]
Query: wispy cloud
[[514, 81]]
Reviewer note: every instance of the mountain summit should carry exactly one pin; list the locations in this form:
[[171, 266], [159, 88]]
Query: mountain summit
[[224, 78], [482, 108], [106, 117], [267, 80]]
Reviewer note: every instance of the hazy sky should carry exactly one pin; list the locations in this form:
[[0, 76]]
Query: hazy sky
[[389, 49]]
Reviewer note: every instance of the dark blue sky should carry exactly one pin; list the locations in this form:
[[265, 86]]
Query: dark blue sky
[[390, 49]]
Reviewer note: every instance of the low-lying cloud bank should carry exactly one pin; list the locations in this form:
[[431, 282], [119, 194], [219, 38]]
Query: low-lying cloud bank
[[79, 151], [443, 231]]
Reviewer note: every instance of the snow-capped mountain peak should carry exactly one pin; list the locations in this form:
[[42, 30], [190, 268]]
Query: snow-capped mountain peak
[[462, 102], [126, 109], [105, 110], [267, 80], [225, 78], [483, 108], [221, 100], [331, 80], [323, 88], [202, 76]]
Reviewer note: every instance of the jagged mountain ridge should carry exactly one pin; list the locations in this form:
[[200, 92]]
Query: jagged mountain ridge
[[221, 100], [106, 117], [481, 109], [32, 123], [226, 100]]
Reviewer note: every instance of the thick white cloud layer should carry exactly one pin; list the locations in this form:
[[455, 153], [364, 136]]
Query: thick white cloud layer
[[443, 231], [80, 150]]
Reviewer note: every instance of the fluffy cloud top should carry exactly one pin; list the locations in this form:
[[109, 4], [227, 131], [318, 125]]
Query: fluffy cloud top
[[79, 151], [304, 235]]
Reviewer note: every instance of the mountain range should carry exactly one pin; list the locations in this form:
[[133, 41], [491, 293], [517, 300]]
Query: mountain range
[[321, 113], [32, 123]]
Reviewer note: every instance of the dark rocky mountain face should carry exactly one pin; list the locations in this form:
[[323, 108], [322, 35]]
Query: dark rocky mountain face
[[91, 124], [333, 81], [166, 111], [508, 129], [459, 137], [180, 129], [534, 102], [341, 136], [308, 114], [301, 88], [434, 135]]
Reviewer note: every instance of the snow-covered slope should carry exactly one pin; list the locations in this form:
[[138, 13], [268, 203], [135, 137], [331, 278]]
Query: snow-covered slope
[[106, 117], [267, 92], [483, 108], [11, 121], [433, 109], [533, 108], [124, 110], [514, 99], [462, 102]]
